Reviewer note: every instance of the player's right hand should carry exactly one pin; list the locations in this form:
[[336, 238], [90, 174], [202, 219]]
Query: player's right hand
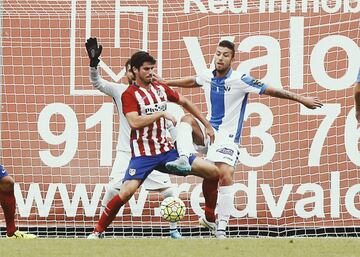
[[94, 51]]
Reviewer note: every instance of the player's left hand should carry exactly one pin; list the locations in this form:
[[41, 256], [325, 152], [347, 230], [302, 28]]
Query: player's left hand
[[210, 133], [156, 77], [312, 102]]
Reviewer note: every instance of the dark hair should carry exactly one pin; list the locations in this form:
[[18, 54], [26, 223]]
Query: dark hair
[[128, 69], [128, 62], [228, 44], [138, 59]]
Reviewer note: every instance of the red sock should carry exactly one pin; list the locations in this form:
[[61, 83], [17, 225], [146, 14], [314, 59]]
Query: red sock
[[8, 204], [210, 192], [109, 214]]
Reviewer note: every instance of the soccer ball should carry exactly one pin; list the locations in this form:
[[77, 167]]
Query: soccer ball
[[172, 209]]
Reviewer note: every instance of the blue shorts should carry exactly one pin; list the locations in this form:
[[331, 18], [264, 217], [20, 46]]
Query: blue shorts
[[141, 166], [3, 172]]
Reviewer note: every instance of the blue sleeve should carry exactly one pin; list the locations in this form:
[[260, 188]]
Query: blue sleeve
[[254, 83], [358, 78], [3, 172]]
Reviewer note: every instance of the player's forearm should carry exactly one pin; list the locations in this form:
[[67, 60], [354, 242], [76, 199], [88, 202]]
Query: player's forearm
[[99, 83], [284, 94], [184, 82], [191, 108], [137, 122], [104, 86]]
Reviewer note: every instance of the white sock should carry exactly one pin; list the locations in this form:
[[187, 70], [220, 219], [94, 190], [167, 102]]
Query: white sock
[[225, 204], [173, 225], [109, 194], [184, 140]]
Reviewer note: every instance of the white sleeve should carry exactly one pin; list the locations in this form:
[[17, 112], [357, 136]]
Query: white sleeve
[[202, 78], [252, 85], [102, 85]]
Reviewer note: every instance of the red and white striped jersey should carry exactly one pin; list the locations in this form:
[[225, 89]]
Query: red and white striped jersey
[[150, 140]]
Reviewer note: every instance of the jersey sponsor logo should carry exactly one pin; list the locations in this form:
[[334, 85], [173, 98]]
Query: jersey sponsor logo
[[155, 108], [226, 151], [132, 172], [257, 83]]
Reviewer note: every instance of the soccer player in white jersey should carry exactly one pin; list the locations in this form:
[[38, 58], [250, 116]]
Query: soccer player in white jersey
[[8, 204], [144, 105], [357, 97], [226, 93], [156, 181]]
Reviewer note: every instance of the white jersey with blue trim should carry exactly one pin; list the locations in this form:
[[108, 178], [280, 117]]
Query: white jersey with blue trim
[[226, 99]]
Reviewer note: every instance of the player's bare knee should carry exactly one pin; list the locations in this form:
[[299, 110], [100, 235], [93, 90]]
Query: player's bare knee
[[7, 184], [226, 175], [125, 195], [128, 188], [188, 118], [225, 181]]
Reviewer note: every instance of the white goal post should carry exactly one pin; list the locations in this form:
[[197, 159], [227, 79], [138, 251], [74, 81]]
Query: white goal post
[[298, 171]]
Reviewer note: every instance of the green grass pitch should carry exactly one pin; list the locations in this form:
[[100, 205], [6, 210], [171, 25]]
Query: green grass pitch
[[247, 247]]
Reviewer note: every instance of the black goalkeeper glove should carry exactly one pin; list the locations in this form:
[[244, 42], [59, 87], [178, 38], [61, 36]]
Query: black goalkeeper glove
[[93, 51]]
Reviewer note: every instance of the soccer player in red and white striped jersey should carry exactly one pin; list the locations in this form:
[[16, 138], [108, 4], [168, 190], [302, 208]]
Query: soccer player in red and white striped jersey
[[144, 105], [8, 204], [156, 181]]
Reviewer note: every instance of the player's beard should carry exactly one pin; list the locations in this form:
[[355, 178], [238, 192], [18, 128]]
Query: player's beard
[[222, 70], [146, 80]]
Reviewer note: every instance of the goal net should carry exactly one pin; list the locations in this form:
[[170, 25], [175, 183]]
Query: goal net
[[298, 171]]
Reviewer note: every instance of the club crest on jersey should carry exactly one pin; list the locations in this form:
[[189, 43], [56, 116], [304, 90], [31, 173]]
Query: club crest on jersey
[[132, 172], [159, 92], [225, 150], [227, 88]]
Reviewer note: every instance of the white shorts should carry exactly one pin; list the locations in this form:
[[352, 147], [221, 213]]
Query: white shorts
[[223, 150], [155, 181]]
